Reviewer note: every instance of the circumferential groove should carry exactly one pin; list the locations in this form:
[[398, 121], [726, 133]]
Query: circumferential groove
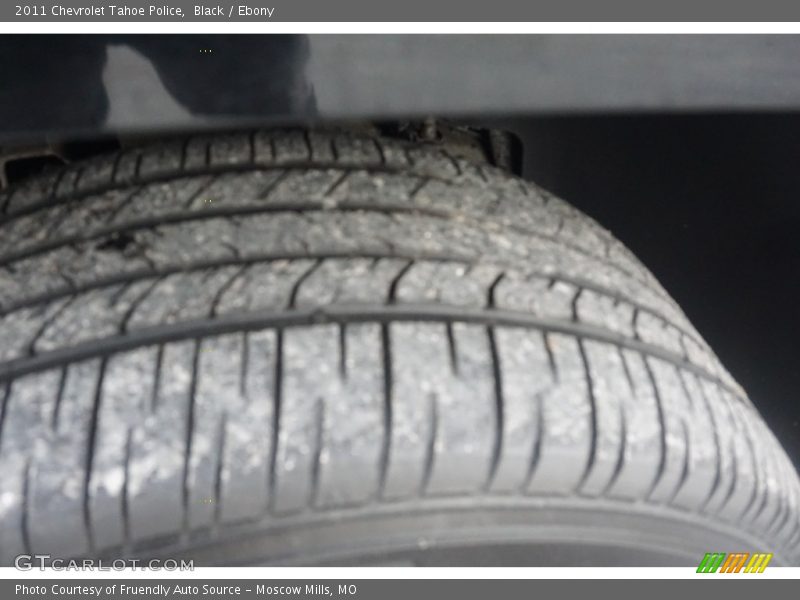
[[391, 312]]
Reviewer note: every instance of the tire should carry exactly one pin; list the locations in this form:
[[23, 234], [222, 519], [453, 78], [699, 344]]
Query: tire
[[294, 347]]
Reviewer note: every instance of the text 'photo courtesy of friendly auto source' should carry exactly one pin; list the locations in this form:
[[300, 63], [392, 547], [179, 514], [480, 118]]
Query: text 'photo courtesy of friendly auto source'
[[317, 300], [181, 590], [161, 10]]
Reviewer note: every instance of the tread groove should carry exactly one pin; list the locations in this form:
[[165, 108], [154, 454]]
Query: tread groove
[[296, 287], [335, 314], [343, 351], [497, 446], [26, 508], [59, 397], [156, 378], [225, 287], [46, 324], [717, 449], [452, 351], [90, 451], [734, 479], [319, 409], [686, 461], [400, 235], [200, 190], [430, 448], [6, 395], [244, 364], [383, 463], [218, 469], [189, 435], [299, 208], [593, 416], [751, 501], [619, 465], [392, 295], [662, 461], [276, 419], [536, 448], [125, 494]]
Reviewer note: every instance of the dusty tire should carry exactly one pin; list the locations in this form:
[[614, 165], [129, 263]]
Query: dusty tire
[[296, 347]]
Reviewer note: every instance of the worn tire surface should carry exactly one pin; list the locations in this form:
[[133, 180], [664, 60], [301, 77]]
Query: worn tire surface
[[308, 347]]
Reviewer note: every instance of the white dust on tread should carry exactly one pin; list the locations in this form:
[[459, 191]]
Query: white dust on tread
[[432, 402], [565, 445], [180, 297], [98, 314], [642, 427], [26, 439], [57, 481], [606, 372], [526, 379], [234, 418], [348, 409], [536, 296], [675, 409], [350, 281], [266, 286], [446, 282]]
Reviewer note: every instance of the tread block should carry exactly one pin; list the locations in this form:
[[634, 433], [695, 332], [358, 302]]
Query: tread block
[[741, 492], [723, 432], [179, 297], [526, 378], [606, 374], [26, 433], [538, 296], [674, 415], [301, 415], [352, 418], [566, 422], [702, 449], [447, 283], [420, 369], [466, 415], [352, 280], [642, 451], [266, 286], [606, 312], [56, 491]]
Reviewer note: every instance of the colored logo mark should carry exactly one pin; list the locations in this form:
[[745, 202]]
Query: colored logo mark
[[735, 562]]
